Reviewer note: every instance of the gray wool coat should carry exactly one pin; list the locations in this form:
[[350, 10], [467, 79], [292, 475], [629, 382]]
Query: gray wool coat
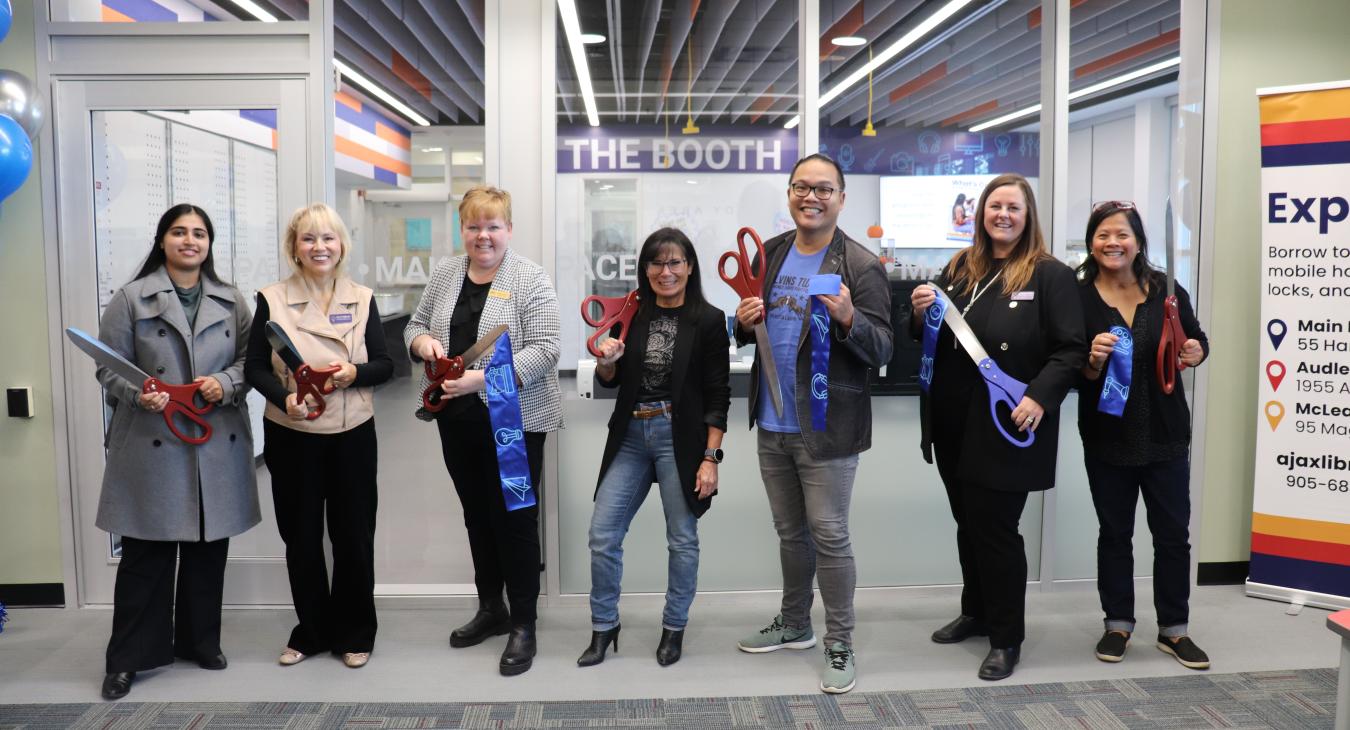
[[156, 487]]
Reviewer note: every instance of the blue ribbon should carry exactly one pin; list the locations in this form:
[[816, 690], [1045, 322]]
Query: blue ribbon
[[1116, 389], [513, 465], [932, 324], [820, 346]]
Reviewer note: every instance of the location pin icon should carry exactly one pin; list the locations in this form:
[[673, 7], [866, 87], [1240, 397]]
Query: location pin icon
[[1275, 373], [1276, 328], [1274, 412]]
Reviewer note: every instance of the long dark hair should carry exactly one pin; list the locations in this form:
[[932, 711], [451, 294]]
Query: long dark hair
[[693, 288], [1145, 275], [156, 258], [970, 265]]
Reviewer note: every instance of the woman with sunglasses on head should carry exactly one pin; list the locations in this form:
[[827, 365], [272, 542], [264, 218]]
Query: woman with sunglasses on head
[[667, 427], [175, 505], [1136, 436], [1022, 305], [323, 465]]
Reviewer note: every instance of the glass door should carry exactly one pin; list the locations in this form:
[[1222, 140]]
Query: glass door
[[126, 152]]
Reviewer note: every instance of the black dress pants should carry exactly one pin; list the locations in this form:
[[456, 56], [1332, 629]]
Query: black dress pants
[[327, 475], [504, 545], [992, 553], [151, 622]]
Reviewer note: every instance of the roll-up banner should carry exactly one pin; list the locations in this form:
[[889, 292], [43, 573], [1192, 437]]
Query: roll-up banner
[[1301, 501]]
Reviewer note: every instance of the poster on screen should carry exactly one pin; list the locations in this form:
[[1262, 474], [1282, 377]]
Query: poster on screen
[[930, 211]]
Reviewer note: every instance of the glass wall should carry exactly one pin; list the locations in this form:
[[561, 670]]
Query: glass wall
[[673, 116]]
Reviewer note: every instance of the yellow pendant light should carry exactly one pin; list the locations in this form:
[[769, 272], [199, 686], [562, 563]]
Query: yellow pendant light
[[869, 130], [689, 127]]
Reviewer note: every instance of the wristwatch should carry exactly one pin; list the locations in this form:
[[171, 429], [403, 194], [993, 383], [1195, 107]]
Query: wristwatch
[[713, 455]]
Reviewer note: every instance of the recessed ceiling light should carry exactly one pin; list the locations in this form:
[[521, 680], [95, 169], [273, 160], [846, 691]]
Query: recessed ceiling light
[[692, 182], [432, 149], [591, 39], [849, 40]]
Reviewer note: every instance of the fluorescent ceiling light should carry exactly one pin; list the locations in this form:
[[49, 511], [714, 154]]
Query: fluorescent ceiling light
[[793, 122], [591, 39], [374, 90], [432, 149], [1085, 91], [909, 39], [255, 10], [849, 40], [567, 9]]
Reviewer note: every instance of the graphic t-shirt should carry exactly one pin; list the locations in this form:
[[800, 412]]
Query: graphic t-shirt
[[786, 307], [660, 355]]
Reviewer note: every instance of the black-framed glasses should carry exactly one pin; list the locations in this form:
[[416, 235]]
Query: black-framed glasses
[[675, 265], [823, 192], [1116, 204]]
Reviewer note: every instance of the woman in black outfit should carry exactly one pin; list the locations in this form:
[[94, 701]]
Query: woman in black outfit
[[1022, 304], [667, 427], [1147, 447]]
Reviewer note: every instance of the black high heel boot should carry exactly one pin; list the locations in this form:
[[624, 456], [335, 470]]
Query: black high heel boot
[[520, 649], [669, 650], [491, 620], [600, 641]]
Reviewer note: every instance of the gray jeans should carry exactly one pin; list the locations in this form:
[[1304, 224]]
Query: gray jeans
[[809, 498]]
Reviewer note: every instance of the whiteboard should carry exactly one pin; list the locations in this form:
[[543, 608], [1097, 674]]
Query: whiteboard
[[143, 164]]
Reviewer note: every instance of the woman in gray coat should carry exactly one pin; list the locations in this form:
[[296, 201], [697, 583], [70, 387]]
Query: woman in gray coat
[[174, 504]]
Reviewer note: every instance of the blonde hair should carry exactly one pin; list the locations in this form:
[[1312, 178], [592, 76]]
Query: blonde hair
[[482, 202], [970, 265], [311, 218]]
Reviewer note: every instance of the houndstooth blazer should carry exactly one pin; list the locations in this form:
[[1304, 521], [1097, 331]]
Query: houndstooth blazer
[[522, 298]]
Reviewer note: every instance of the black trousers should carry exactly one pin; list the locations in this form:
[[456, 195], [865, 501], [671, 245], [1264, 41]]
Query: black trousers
[[504, 545], [992, 553], [1167, 500], [153, 623], [327, 475]]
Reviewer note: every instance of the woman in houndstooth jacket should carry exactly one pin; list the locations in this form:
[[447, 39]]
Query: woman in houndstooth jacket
[[467, 296]]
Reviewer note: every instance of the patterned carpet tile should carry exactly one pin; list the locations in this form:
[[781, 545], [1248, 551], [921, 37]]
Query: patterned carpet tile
[[1283, 700]]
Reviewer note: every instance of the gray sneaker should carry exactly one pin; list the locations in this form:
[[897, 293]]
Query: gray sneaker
[[776, 636], [839, 673]]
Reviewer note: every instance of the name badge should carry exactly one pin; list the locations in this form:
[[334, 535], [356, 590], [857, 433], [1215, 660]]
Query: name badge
[[1023, 296], [344, 318], [499, 293]]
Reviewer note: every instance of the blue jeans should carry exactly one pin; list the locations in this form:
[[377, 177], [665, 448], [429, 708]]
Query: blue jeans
[[646, 454]]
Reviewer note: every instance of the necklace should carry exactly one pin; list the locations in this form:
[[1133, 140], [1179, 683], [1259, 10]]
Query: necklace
[[978, 292]]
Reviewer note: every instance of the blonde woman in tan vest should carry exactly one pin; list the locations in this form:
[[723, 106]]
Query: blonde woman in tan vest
[[467, 297], [324, 466]]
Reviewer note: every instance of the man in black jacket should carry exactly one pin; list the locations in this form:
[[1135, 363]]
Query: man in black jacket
[[808, 471]]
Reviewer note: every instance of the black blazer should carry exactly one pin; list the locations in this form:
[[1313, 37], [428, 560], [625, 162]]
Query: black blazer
[[1039, 342], [700, 392], [1169, 417]]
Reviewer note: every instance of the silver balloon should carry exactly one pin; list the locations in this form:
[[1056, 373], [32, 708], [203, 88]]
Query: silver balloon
[[21, 100]]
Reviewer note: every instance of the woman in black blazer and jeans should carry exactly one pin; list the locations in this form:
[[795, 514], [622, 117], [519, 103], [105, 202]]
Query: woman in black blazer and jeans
[[667, 427], [1147, 447], [1023, 306]]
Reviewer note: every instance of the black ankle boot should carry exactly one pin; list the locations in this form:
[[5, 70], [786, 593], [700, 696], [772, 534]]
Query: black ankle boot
[[117, 684], [668, 651], [491, 620], [520, 648], [600, 641]]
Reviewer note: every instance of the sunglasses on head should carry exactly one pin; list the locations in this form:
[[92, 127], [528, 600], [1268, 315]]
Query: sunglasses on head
[[1114, 204]]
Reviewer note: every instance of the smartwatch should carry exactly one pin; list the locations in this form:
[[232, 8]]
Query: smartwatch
[[713, 455]]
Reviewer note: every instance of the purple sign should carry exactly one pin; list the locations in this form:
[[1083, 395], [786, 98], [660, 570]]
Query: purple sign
[[647, 148], [932, 152]]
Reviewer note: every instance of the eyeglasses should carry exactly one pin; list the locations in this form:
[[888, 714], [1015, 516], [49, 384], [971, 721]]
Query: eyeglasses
[[1117, 204], [675, 266], [823, 192]]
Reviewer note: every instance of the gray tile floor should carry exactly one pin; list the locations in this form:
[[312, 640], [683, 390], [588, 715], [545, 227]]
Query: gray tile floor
[[53, 655]]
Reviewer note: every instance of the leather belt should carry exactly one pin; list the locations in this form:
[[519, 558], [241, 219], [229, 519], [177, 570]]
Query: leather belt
[[648, 413]]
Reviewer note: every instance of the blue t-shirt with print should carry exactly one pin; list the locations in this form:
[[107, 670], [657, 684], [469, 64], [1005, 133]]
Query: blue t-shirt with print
[[787, 305]]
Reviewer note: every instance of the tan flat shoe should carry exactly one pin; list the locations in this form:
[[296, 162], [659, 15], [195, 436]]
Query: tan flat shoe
[[356, 660], [290, 656]]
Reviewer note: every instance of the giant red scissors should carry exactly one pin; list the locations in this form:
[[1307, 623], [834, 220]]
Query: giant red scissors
[[1173, 336], [749, 283], [613, 310]]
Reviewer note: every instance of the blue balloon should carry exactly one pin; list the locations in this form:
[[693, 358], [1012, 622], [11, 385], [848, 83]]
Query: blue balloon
[[6, 18], [16, 156]]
